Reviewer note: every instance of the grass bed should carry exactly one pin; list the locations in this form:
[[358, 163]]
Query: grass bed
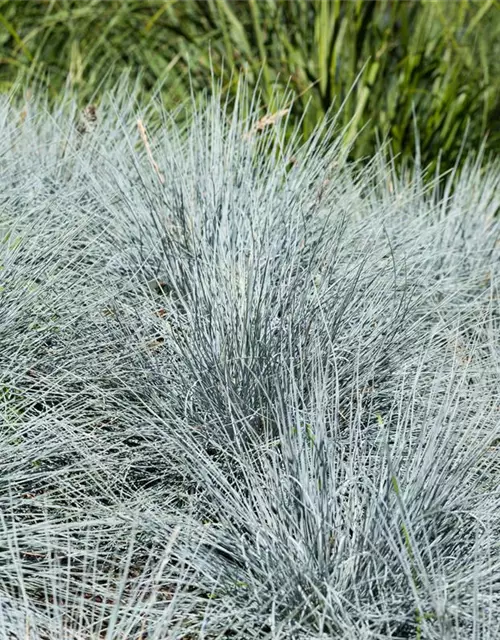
[[248, 389]]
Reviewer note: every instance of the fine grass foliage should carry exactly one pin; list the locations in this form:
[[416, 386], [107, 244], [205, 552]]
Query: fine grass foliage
[[249, 388]]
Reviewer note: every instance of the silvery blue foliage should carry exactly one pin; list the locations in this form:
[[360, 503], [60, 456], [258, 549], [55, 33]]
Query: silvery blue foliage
[[247, 389]]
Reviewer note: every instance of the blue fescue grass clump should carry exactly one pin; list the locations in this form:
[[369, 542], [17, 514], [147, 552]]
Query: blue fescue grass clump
[[247, 389]]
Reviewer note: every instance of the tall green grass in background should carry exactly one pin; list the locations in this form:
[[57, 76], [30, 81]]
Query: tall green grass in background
[[443, 57]]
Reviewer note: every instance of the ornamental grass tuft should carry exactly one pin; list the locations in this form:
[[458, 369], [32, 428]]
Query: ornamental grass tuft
[[248, 388]]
